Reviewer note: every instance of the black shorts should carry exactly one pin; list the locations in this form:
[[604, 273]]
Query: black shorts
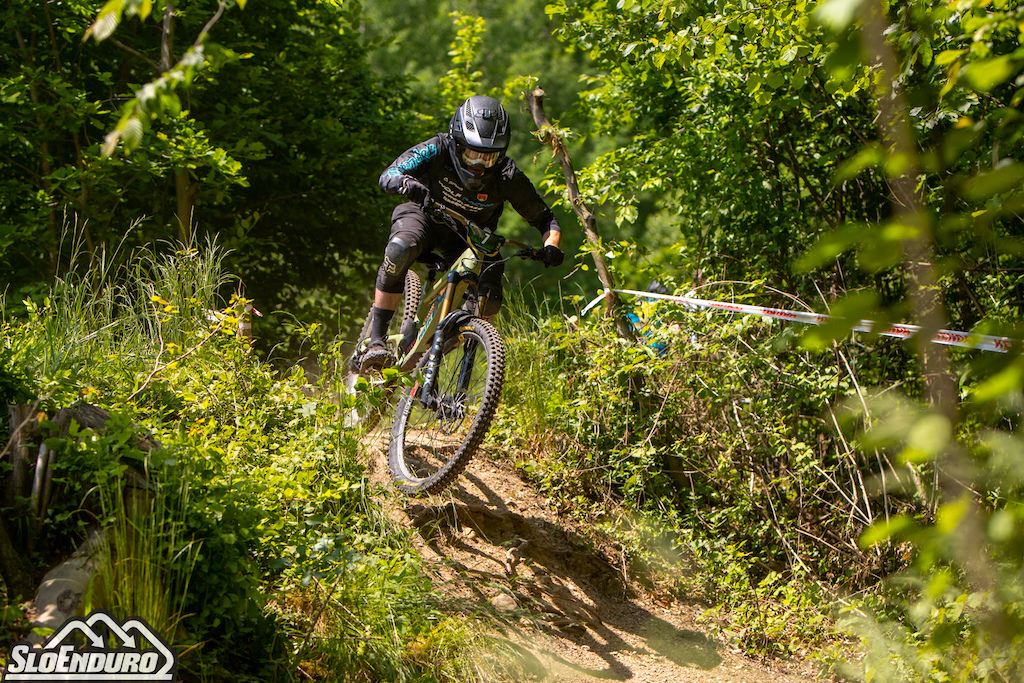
[[413, 227]]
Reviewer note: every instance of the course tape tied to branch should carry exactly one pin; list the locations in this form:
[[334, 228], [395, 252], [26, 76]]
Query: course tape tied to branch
[[900, 331]]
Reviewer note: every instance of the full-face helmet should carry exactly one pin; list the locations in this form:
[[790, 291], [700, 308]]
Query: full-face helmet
[[481, 131]]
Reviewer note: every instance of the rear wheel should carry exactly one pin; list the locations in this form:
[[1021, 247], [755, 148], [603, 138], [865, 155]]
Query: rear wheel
[[433, 440], [373, 403], [413, 294]]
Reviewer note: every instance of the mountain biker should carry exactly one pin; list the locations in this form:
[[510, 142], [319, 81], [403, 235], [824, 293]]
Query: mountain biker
[[466, 170]]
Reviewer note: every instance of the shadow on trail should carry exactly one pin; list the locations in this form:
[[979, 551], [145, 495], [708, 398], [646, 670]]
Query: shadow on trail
[[552, 575]]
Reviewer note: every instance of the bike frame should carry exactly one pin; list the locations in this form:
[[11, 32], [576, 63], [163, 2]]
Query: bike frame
[[438, 316], [438, 303]]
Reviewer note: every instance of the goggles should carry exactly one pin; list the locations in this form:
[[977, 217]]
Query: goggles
[[472, 159]]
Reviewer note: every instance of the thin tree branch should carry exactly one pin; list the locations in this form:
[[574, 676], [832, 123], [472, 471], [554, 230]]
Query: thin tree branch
[[133, 52], [548, 134]]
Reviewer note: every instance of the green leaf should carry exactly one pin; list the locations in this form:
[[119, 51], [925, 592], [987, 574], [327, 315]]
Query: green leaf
[[988, 184], [927, 438], [829, 246], [871, 156], [847, 312], [926, 54], [837, 14], [1009, 379], [1001, 526], [949, 515], [106, 21], [883, 531], [132, 133], [947, 56], [986, 74]]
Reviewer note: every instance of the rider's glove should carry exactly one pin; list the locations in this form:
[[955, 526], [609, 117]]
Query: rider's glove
[[415, 190], [551, 256]]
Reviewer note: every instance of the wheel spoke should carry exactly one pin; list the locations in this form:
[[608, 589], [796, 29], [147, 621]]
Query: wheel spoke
[[433, 437]]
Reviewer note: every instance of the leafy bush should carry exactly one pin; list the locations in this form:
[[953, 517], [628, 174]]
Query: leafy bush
[[805, 508], [730, 440], [257, 545]]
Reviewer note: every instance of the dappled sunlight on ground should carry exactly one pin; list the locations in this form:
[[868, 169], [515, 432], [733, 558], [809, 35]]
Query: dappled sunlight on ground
[[492, 539]]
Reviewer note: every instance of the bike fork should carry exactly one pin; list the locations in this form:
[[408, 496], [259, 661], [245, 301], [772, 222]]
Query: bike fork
[[427, 394], [466, 368], [427, 397]]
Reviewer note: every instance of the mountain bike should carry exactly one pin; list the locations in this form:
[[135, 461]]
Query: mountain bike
[[456, 358]]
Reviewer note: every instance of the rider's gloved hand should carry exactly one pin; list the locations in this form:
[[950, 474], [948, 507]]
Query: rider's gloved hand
[[415, 191], [551, 256]]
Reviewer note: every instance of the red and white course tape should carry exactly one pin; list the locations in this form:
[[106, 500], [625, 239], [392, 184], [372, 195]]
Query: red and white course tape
[[903, 331]]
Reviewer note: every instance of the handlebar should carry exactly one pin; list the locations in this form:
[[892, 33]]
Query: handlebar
[[526, 251], [443, 214], [455, 221]]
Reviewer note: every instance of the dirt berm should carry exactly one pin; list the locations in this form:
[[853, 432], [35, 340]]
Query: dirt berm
[[492, 539]]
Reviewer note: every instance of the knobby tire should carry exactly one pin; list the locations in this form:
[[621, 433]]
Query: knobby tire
[[369, 415], [431, 446], [413, 294]]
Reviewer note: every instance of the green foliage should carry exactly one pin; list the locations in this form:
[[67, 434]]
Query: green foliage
[[274, 145], [15, 386], [257, 525], [721, 443], [460, 83], [14, 623], [736, 129], [955, 612], [742, 470], [774, 617], [159, 98], [143, 548], [887, 133], [964, 137]]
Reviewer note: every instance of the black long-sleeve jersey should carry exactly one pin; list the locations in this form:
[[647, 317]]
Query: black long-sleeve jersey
[[431, 162]]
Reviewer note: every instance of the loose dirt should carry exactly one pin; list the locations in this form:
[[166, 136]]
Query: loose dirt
[[491, 539]]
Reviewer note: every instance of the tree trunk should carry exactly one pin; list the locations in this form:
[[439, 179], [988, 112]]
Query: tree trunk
[[548, 135], [14, 565], [908, 204], [185, 191], [167, 40], [18, 482]]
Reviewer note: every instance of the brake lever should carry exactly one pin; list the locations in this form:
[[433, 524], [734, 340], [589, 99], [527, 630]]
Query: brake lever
[[440, 213]]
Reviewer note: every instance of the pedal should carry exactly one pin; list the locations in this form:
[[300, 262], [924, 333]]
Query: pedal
[[376, 359]]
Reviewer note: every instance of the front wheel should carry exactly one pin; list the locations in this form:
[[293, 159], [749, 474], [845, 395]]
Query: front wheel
[[434, 437]]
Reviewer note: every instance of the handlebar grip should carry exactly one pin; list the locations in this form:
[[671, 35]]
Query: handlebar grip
[[529, 252]]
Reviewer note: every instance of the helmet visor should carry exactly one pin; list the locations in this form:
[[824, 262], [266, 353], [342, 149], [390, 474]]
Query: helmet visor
[[478, 161]]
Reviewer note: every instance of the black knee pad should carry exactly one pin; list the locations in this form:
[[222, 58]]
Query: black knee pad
[[398, 256]]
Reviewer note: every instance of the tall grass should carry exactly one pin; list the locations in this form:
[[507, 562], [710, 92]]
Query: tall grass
[[527, 344], [146, 555], [263, 540], [112, 314]]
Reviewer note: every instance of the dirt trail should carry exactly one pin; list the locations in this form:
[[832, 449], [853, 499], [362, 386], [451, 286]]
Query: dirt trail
[[492, 538]]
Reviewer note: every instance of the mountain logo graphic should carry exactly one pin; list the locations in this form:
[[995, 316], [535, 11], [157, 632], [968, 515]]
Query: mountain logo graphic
[[98, 649]]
